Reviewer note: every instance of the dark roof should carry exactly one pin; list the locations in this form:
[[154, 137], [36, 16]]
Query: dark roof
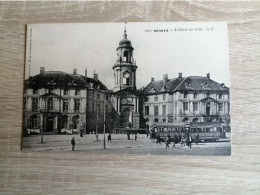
[[95, 82], [161, 87], [198, 83], [191, 83], [57, 79]]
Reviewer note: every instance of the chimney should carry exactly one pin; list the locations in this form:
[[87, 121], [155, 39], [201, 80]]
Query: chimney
[[86, 72], [165, 78], [152, 79], [208, 76], [180, 75], [95, 76], [74, 71], [41, 70]]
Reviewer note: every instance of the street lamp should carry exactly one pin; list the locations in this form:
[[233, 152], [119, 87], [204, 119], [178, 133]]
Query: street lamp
[[97, 107], [105, 122]]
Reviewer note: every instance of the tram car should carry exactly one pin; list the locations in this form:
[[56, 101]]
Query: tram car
[[206, 131]]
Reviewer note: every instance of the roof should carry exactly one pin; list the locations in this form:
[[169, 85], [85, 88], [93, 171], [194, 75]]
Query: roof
[[57, 79], [97, 84], [198, 83], [161, 87], [191, 83]]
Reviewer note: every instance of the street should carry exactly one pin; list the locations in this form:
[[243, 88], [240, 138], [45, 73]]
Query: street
[[120, 145]]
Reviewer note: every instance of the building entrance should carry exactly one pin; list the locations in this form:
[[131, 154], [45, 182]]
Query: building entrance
[[49, 124]]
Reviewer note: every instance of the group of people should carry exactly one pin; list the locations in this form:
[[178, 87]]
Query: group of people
[[73, 142], [177, 139]]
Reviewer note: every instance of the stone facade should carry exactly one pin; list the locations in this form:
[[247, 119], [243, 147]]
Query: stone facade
[[125, 98], [180, 101], [57, 102]]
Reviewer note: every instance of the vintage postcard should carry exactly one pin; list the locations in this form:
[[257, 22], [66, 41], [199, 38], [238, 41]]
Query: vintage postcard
[[127, 88]]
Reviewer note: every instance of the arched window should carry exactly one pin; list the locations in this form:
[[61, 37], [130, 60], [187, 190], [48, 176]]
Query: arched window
[[125, 56]]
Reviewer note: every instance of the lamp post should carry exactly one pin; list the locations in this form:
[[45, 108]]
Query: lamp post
[[97, 121], [105, 123]]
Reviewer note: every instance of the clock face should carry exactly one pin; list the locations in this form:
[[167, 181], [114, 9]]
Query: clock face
[[126, 74]]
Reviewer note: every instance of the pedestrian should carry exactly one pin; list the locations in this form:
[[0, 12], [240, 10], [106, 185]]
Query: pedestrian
[[197, 139], [135, 136], [109, 138], [174, 140], [189, 141], [73, 143], [158, 139], [182, 140], [167, 142]]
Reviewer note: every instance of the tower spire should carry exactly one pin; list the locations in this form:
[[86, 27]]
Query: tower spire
[[125, 35]]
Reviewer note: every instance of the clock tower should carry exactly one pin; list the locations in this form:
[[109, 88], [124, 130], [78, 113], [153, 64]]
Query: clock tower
[[125, 95], [125, 66]]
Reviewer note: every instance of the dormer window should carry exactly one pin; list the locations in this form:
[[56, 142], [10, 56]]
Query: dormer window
[[152, 90], [205, 85], [163, 88], [187, 85]]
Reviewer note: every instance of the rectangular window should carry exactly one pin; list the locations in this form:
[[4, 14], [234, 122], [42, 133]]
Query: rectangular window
[[164, 97], [195, 95], [77, 92], [220, 107], [50, 90], [77, 105], [35, 91], [34, 104], [156, 98], [220, 96], [208, 95], [50, 104], [146, 110], [155, 110], [98, 96], [195, 106], [185, 106], [66, 92], [65, 105], [164, 109], [185, 95]]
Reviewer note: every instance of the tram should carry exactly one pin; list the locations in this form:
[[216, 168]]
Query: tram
[[206, 131]]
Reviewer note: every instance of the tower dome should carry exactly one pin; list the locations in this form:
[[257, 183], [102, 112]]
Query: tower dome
[[125, 41]]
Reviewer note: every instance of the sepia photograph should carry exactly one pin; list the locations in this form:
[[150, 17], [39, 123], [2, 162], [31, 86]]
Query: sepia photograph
[[150, 88]]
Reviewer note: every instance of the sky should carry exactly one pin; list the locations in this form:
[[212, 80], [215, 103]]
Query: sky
[[190, 48]]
